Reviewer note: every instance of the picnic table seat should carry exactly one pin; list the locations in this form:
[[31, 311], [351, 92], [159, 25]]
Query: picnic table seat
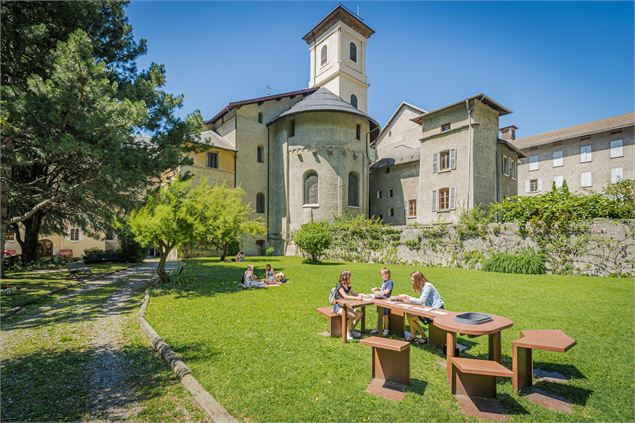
[[541, 339], [334, 321], [77, 268], [476, 378], [390, 367]]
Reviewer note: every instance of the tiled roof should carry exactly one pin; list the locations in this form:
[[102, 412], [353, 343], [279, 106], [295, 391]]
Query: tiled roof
[[213, 139], [502, 110], [612, 123], [339, 13], [398, 155]]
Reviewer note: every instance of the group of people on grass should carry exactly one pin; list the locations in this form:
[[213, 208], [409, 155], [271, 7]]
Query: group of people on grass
[[250, 280], [428, 296]]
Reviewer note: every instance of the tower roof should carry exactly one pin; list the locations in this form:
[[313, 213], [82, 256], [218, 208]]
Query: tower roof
[[340, 13], [325, 101]]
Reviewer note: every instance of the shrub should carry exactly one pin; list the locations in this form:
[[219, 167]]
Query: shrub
[[313, 239], [93, 254], [270, 251], [472, 223], [528, 262], [473, 259]]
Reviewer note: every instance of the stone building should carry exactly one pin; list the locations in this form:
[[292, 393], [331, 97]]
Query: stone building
[[588, 156], [303, 155], [462, 163]]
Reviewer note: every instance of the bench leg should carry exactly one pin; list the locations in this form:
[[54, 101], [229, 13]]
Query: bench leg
[[523, 368], [495, 347], [472, 385], [363, 325], [436, 335], [392, 366], [335, 325], [344, 322], [380, 319], [449, 352], [396, 324]]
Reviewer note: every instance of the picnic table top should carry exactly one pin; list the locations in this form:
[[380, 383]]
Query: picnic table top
[[414, 309], [497, 324], [544, 339], [355, 303]]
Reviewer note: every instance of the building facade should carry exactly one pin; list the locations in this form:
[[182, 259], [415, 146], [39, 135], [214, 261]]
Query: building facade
[[587, 157], [302, 155], [73, 243]]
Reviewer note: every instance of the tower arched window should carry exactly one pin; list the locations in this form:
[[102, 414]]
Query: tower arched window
[[323, 55], [260, 203], [354, 100], [353, 52], [353, 189], [311, 187]]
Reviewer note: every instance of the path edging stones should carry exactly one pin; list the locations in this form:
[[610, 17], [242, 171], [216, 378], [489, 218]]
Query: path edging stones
[[204, 399]]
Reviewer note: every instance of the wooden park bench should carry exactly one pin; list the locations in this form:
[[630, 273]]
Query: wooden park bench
[[335, 321], [390, 367], [522, 363], [77, 268], [476, 378]]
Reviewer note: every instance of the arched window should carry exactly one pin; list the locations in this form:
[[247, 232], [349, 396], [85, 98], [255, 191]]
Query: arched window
[[353, 189], [260, 203], [353, 52], [311, 187], [354, 100], [260, 154], [323, 55]]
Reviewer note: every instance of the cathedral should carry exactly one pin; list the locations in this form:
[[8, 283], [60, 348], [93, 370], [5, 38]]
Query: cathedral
[[302, 155]]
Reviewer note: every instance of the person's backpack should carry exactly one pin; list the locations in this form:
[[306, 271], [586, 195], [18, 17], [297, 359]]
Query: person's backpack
[[333, 294]]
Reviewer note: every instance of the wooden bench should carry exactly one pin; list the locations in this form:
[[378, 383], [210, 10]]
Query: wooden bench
[[77, 268], [476, 378], [390, 367], [522, 362], [335, 321]]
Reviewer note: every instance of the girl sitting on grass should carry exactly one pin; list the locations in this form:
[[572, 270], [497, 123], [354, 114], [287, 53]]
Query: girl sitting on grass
[[250, 280], [344, 291], [429, 296], [270, 276]]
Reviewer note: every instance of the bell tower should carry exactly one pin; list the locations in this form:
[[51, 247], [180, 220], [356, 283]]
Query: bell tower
[[337, 46]]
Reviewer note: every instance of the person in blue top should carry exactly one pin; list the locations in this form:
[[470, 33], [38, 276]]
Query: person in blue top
[[428, 296], [383, 320]]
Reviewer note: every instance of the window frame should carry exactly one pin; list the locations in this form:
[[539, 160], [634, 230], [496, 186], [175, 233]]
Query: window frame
[[352, 52], [260, 153], [582, 178], [324, 59], [532, 183], [260, 117], [619, 150], [533, 164], [307, 189], [443, 194], [443, 154], [358, 132], [411, 212], [557, 161], [71, 237], [212, 158], [355, 197], [613, 174], [354, 101], [260, 203], [291, 129], [445, 127], [586, 156]]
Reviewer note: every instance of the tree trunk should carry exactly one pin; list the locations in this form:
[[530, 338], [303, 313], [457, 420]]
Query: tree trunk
[[31, 237], [163, 257], [224, 254]]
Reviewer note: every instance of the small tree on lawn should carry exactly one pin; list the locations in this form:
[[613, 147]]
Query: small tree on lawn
[[314, 239], [230, 218]]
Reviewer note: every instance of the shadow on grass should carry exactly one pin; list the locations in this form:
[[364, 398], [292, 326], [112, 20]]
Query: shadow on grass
[[512, 406], [417, 386], [568, 370], [54, 385], [572, 394]]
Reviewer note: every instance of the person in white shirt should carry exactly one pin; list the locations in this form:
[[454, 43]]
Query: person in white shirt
[[429, 296]]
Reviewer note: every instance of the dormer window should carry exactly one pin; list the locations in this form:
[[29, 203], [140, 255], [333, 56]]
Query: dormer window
[[353, 52], [323, 56], [445, 127], [354, 100]]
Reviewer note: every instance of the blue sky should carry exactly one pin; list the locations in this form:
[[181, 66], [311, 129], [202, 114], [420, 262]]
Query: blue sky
[[555, 64]]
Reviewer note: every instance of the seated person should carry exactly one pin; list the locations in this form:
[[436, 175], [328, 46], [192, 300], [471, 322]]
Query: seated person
[[270, 276], [240, 256], [344, 290], [429, 296], [280, 278], [251, 280], [383, 320]]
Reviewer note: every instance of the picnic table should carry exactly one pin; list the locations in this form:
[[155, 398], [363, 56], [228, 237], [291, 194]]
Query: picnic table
[[353, 304], [492, 328]]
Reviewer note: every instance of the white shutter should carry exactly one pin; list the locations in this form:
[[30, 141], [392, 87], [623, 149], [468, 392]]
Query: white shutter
[[617, 148], [434, 163], [558, 181], [453, 158], [434, 200], [527, 185], [539, 184], [452, 198], [617, 174]]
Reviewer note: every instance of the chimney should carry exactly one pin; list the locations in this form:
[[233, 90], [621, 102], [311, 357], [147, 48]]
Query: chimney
[[508, 133]]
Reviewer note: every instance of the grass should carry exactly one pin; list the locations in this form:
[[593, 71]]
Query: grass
[[43, 361], [259, 354], [35, 285]]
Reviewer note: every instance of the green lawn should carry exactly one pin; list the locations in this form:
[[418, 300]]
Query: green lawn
[[258, 352], [36, 284]]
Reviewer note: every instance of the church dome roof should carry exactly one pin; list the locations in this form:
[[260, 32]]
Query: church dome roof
[[325, 101]]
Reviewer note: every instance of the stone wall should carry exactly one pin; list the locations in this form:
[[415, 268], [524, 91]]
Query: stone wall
[[605, 248]]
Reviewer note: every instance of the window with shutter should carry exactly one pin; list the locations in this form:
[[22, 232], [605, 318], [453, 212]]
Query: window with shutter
[[311, 187], [558, 181], [452, 198], [505, 166], [586, 154], [617, 174], [533, 185], [617, 148], [444, 199], [527, 185], [540, 184], [586, 179], [558, 158], [434, 200], [74, 234], [533, 162], [444, 160]]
